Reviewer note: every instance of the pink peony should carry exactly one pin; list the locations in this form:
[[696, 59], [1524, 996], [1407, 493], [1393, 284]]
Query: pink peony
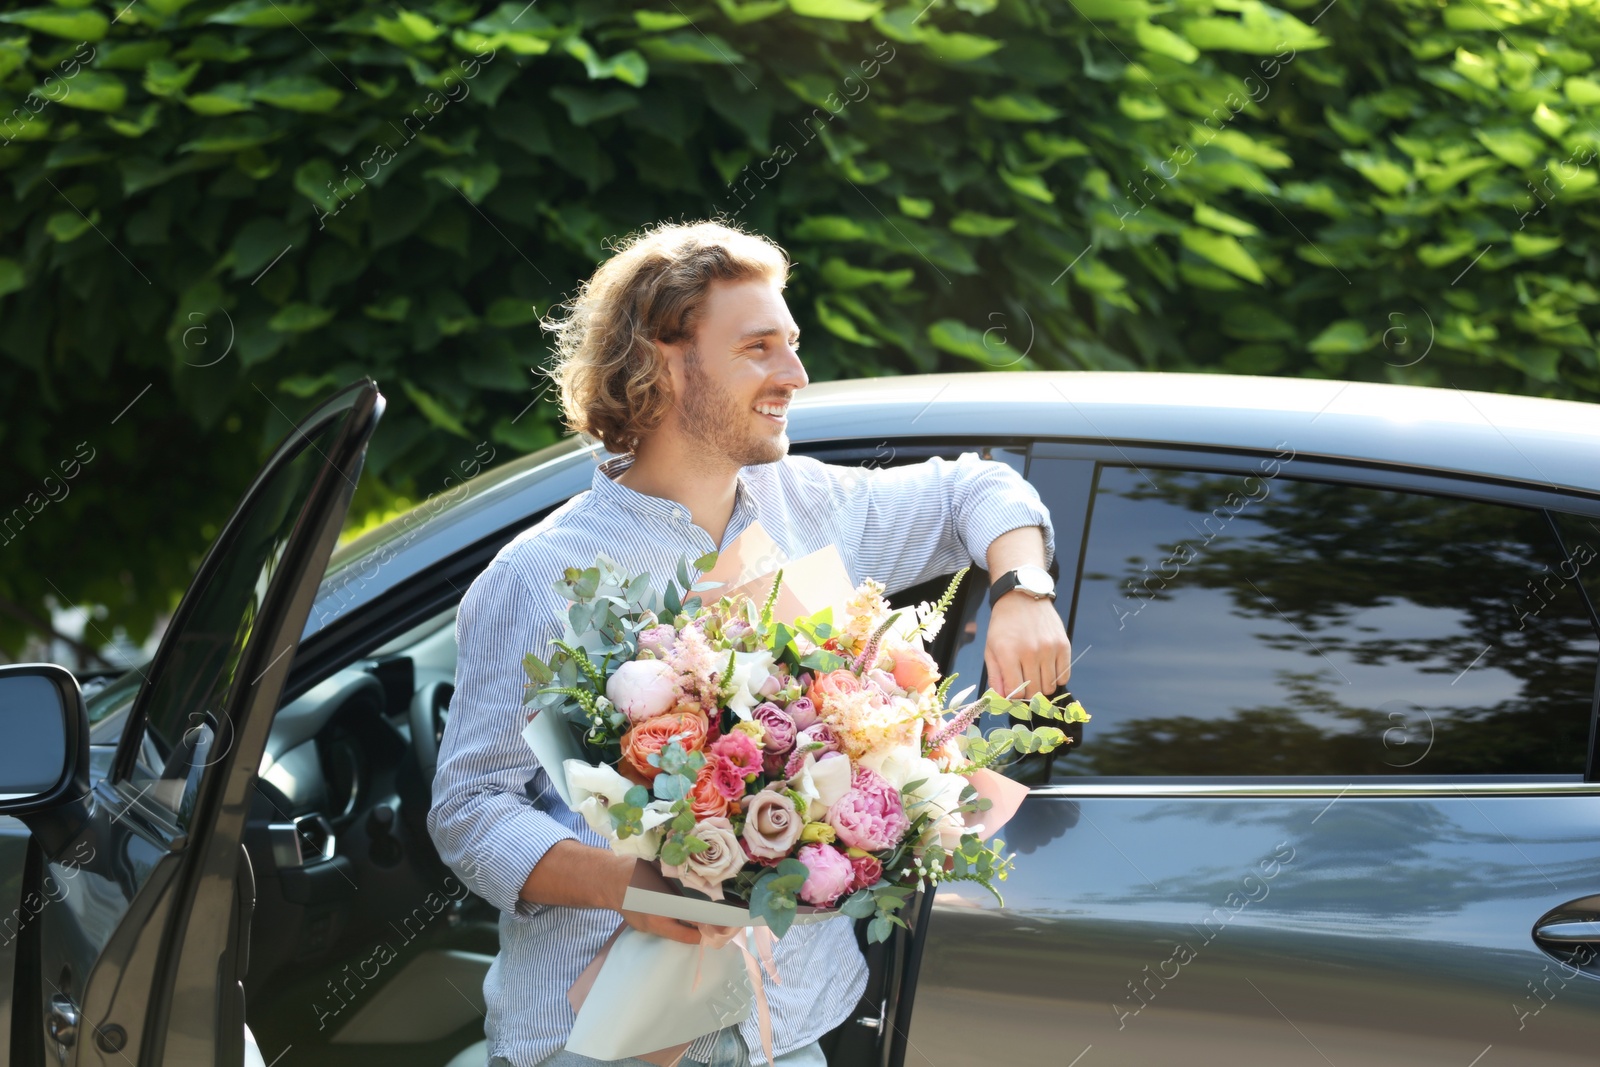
[[869, 816], [868, 870], [829, 874], [642, 689], [658, 639], [914, 669], [803, 712], [885, 682]]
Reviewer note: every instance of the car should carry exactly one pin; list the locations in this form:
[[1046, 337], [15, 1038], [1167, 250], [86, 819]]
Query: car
[[1339, 801]]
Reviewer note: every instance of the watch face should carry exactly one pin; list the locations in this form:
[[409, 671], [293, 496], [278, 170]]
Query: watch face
[[1035, 580]]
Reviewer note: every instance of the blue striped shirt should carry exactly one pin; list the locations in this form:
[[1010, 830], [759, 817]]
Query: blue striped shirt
[[494, 811]]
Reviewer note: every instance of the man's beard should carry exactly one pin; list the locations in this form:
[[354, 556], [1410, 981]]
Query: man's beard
[[712, 416]]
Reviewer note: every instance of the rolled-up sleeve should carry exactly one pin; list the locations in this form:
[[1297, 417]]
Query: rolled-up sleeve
[[903, 525], [482, 822]]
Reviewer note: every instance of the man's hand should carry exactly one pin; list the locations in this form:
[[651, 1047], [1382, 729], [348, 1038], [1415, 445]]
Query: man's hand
[[1027, 647]]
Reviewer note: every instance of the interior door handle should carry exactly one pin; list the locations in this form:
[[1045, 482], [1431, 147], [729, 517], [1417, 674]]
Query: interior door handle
[[1569, 932], [62, 1020]]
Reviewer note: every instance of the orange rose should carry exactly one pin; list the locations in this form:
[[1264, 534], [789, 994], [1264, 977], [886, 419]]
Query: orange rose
[[832, 685], [704, 799], [652, 735], [914, 669]]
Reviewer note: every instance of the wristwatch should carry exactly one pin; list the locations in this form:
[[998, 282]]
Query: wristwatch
[[1035, 581]]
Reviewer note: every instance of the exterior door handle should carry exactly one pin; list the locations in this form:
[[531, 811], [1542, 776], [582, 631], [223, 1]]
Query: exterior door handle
[[62, 1021], [1569, 932]]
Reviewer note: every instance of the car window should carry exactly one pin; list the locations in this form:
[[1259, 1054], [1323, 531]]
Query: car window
[[1230, 624], [184, 730]]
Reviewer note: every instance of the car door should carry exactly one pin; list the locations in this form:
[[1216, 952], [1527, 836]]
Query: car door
[[1337, 803], [137, 953]]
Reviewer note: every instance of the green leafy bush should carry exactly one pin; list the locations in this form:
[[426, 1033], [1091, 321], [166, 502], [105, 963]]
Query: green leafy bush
[[216, 211]]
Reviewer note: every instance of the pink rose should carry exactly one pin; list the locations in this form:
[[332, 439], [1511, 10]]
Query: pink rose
[[771, 825], [780, 734], [869, 816], [914, 669], [771, 686], [642, 689], [734, 629], [803, 712], [868, 869], [828, 874], [658, 639], [740, 750]]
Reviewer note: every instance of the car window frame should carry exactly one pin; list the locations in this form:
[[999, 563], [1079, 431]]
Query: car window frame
[[1393, 476]]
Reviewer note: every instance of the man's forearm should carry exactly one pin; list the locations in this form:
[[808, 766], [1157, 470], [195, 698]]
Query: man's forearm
[[574, 875], [1016, 548]]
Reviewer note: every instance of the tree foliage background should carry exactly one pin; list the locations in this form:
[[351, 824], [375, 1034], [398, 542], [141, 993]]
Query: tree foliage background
[[217, 211]]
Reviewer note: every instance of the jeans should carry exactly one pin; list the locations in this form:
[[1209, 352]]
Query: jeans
[[729, 1051]]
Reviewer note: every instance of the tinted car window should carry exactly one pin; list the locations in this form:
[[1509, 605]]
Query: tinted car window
[[1261, 625]]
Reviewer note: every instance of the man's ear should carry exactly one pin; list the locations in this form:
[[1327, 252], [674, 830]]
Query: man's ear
[[673, 355]]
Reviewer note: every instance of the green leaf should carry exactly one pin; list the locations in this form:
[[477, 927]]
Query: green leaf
[[473, 180], [957, 47], [1163, 42], [1345, 337], [1028, 185], [299, 317], [690, 47], [12, 277], [224, 99], [93, 91], [585, 106], [437, 415], [1206, 215], [298, 92], [1015, 107], [165, 78], [90, 26], [1224, 251], [1512, 144], [972, 224], [263, 13], [67, 226], [246, 131], [841, 10]]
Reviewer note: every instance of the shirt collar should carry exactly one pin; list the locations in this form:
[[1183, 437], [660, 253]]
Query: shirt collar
[[608, 489]]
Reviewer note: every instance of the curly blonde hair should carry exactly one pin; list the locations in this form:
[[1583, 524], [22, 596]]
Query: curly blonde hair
[[613, 380]]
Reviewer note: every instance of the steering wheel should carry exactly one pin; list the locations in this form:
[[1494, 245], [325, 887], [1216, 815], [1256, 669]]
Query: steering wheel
[[430, 709]]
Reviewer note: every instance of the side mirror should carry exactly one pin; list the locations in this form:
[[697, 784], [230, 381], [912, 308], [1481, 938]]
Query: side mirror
[[44, 739]]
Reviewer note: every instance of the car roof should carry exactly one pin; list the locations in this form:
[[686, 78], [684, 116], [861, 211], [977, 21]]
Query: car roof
[[1532, 440]]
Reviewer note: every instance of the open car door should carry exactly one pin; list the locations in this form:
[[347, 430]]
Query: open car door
[[136, 954]]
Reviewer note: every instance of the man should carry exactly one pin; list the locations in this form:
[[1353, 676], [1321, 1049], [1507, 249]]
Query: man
[[679, 355]]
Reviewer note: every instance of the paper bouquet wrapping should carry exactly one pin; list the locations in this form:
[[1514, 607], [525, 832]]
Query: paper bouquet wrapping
[[784, 753]]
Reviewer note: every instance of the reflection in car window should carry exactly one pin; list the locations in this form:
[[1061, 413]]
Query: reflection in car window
[[1238, 625], [183, 705]]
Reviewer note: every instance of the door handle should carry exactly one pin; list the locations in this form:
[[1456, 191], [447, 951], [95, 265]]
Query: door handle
[[61, 1022], [1569, 932]]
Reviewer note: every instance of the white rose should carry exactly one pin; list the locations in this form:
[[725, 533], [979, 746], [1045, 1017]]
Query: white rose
[[899, 764], [821, 784]]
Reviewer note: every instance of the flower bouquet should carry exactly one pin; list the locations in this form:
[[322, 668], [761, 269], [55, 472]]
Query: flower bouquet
[[782, 767]]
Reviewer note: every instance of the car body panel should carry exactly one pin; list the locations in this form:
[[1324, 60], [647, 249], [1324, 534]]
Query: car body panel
[[1212, 932]]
